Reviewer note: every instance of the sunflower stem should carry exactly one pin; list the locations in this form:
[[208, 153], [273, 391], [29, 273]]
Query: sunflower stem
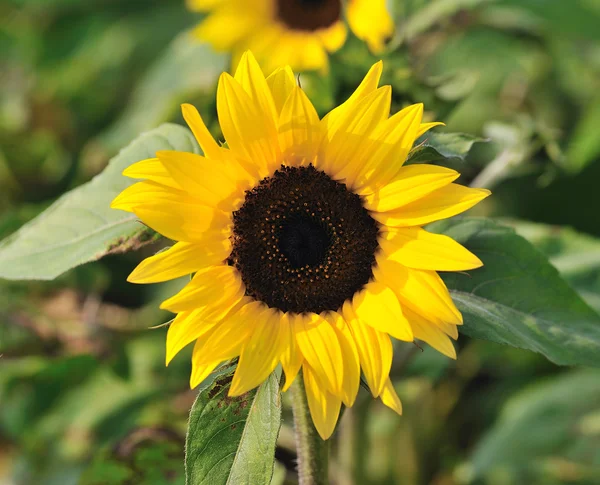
[[313, 452]]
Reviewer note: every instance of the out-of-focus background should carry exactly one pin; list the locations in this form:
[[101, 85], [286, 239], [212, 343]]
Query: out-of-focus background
[[84, 393]]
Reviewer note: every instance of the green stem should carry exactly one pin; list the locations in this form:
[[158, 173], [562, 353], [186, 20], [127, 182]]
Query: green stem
[[313, 452]]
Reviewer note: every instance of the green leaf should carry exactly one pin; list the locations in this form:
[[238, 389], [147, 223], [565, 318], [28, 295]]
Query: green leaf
[[576, 256], [443, 147], [518, 297], [80, 226], [545, 434], [232, 440]]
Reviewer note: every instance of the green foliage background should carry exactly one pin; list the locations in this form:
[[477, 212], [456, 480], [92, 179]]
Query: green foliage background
[[84, 393]]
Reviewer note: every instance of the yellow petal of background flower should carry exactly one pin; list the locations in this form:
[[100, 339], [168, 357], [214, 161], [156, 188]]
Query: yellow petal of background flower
[[261, 352], [248, 131], [183, 258], [281, 82], [216, 288], [422, 291], [226, 26], [440, 204], [350, 357], [374, 350], [299, 128], [370, 21], [409, 184], [429, 332], [390, 398], [151, 169], [291, 358], [320, 347], [324, 406], [416, 248], [334, 37], [378, 306]]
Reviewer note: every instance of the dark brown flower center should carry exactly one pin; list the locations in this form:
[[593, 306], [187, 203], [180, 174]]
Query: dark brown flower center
[[303, 242], [309, 15]]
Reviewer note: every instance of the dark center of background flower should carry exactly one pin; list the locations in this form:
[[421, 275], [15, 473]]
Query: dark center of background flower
[[309, 15], [303, 242]]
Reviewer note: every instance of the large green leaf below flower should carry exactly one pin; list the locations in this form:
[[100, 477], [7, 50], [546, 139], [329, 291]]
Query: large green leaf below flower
[[231, 441], [80, 226], [518, 298]]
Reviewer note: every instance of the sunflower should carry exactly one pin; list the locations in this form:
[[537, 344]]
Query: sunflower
[[295, 32], [305, 238]]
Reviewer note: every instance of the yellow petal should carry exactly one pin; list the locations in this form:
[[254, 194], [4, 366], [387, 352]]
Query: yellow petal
[[226, 339], [384, 157], [147, 192], [425, 127], [250, 133], [350, 357], [151, 169], [390, 398], [291, 358], [299, 128], [320, 347], [187, 327], [200, 371], [340, 146], [416, 248], [423, 292], [344, 112], [370, 21], [261, 353], [377, 306], [249, 75], [440, 204], [216, 289], [334, 37], [324, 407], [205, 140], [183, 258], [430, 332], [281, 82], [172, 213], [203, 178], [409, 184], [374, 350]]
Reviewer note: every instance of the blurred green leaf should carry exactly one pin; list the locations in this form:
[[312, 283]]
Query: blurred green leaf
[[187, 70], [447, 148], [232, 440], [546, 434], [584, 146], [80, 226], [518, 298], [575, 18]]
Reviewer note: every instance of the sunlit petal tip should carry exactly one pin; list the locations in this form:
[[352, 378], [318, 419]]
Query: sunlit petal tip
[[390, 398]]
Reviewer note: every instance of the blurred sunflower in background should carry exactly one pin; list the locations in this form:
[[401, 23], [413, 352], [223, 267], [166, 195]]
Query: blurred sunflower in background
[[304, 236], [295, 32]]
